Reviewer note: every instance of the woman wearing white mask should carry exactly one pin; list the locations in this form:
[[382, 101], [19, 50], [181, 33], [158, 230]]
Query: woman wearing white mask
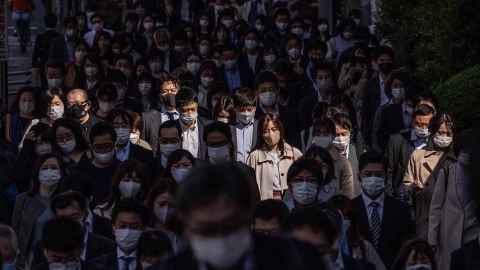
[[203, 46], [22, 111], [135, 134], [252, 55], [269, 56], [206, 75], [156, 62], [424, 167], [107, 97], [202, 24], [224, 111], [90, 75], [130, 181], [190, 64], [81, 50], [271, 157], [327, 189], [146, 91], [221, 35], [32, 208], [218, 90], [179, 164], [69, 140], [343, 39], [416, 254], [147, 24], [102, 47]]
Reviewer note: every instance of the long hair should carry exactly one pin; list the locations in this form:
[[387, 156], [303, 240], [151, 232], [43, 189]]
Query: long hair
[[36, 173], [420, 248], [345, 205], [80, 77], [262, 124], [153, 96], [175, 157], [26, 89], [74, 127], [163, 185]]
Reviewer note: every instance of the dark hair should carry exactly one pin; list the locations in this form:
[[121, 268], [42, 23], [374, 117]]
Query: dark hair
[[428, 97], [155, 52], [324, 66], [317, 44], [372, 157], [420, 248], [319, 109], [206, 65], [423, 110], [50, 20], [345, 205], [170, 124], [67, 199], [26, 89], [116, 75], [312, 218], [123, 56], [224, 104], [355, 13], [106, 35], [78, 181], [438, 120], [153, 244], [217, 126], [103, 128], [325, 124], [281, 67], [185, 96], [332, 213], [62, 234], [68, 20], [153, 95], [74, 127], [412, 90], [295, 37], [281, 12], [80, 77], [347, 103], [244, 97], [342, 120], [315, 151], [465, 140], [36, 173], [269, 209], [306, 164], [130, 205], [161, 186], [262, 124], [215, 40], [361, 33], [381, 50], [399, 75], [96, 15], [263, 77], [175, 157], [343, 24], [229, 47], [120, 39], [169, 78], [107, 89], [47, 97], [218, 87], [118, 112]]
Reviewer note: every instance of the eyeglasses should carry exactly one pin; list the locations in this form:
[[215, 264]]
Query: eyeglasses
[[102, 148], [66, 137]]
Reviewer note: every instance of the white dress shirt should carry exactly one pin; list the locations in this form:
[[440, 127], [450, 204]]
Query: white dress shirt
[[89, 221], [84, 251], [165, 116], [275, 111], [120, 255], [338, 263], [380, 200], [244, 140], [190, 138], [407, 118]]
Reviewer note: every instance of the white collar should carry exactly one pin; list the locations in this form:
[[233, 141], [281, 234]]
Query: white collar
[[380, 200], [185, 128], [120, 254], [382, 80]]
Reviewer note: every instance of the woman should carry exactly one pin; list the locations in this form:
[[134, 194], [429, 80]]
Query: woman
[[90, 76], [359, 248], [130, 180], [215, 54], [261, 22], [343, 39], [191, 62], [353, 75], [203, 46], [151, 246], [323, 30], [145, 90], [206, 75], [146, 28], [271, 157], [202, 25], [130, 49], [70, 141], [452, 219], [102, 48], [156, 60], [306, 134], [107, 97], [32, 208], [270, 55], [221, 35], [321, 155], [415, 254], [216, 91], [224, 110], [81, 50], [22, 111], [137, 126], [179, 164]]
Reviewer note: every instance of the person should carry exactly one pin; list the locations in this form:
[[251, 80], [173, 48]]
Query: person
[[212, 195], [275, 36], [151, 246], [102, 48], [317, 50], [382, 220], [252, 56], [214, 12], [269, 215], [451, 198], [400, 147], [306, 135], [358, 247], [22, 111], [321, 155], [224, 110], [162, 40], [78, 108], [145, 90], [8, 247], [90, 76], [137, 127], [69, 140], [97, 26], [416, 254], [32, 208], [180, 163], [129, 219], [206, 76], [42, 45], [146, 26], [230, 72], [55, 72], [124, 63], [80, 51], [169, 140], [271, 157], [360, 36], [343, 39], [353, 74], [217, 90], [82, 27], [106, 95], [190, 65], [62, 47], [124, 101], [293, 48], [102, 167], [22, 11]]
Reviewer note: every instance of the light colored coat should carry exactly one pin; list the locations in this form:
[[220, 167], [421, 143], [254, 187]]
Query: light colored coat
[[451, 224], [263, 166], [424, 165]]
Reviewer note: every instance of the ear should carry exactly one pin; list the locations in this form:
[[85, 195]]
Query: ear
[[359, 178], [113, 229]]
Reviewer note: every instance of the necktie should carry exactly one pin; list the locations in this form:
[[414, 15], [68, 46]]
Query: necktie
[[126, 262], [376, 224], [170, 115]]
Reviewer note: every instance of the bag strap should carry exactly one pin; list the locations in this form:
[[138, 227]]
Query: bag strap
[[446, 172], [293, 154]]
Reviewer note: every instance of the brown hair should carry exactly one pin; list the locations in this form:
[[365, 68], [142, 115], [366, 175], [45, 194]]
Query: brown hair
[[263, 123], [345, 205]]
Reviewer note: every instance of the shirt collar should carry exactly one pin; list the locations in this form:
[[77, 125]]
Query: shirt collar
[[380, 200], [239, 123], [382, 80], [124, 150], [185, 128], [164, 110], [66, 39], [275, 110], [120, 254]]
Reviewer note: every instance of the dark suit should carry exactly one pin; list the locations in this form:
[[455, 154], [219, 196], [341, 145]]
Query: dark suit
[[243, 60], [246, 76], [151, 123], [40, 56], [297, 91], [395, 227], [109, 260], [102, 226], [356, 264], [399, 149], [140, 154], [466, 257], [391, 122], [141, 44], [233, 129], [305, 110], [83, 265], [58, 50], [155, 169], [130, 103], [370, 104]]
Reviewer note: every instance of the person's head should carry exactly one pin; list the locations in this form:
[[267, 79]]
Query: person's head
[[220, 34], [179, 165], [129, 218], [372, 173], [8, 246], [317, 50], [323, 73], [161, 38], [156, 60], [412, 89], [266, 85], [55, 73], [384, 57], [464, 143], [48, 171], [147, 23], [304, 179], [207, 73], [271, 132], [343, 130], [326, 162], [416, 253], [151, 246], [169, 137], [323, 132], [70, 26], [282, 18], [93, 67], [62, 242], [102, 140], [122, 122], [161, 201], [50, 20], [426, 97], [245, 104], [137, 123], [203, 45], [146, 85], [119, 81], [345, 28], [78, 104], [124, 63], [319, 109], [43, 138], [344, 103], [268, 216], [79, 182], [102, 42], [81, 18], [179, 40], [218, 139], [53, 103], [168, 87], [186, 102], [25, 101], [191, 61], [345, 205], [68, 136], [442, 130], [217, 90], [293, 46], [421, 120], [396, 84], [229, 56], [224, 110], [355, 15], [107, 96], [70, 204], [97, 21], [227, 17], [252, 38], [269, 55], [119, 43], [336, 219]]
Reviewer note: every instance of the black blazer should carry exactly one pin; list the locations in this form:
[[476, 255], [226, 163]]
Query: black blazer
[[391, 122], [243, 60], [141, 44], [305, 110], [140, 154], [395, 228], [246, 76], [466, 257], [155, 169], [109, 260], [39, 56], [83, 265], [370, 104], [130, 103], [297, 91], [58, 50], [102, 226], [398, 153]]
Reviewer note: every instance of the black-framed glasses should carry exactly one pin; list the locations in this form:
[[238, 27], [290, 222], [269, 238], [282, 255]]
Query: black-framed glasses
[[67, 137], [105, 148]]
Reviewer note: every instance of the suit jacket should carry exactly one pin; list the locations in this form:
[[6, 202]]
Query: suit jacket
[[305, 110], [102, 226], [140, 154], [246, 76], [141, 44], [83, 265], [395, 227], [109, 260], [130, 103], [370, 104], [243, 60], [58, 50], [391, 122], [233, 128], [398, 153], [40, 56], [466, 257], [151, 123], [155, 169]]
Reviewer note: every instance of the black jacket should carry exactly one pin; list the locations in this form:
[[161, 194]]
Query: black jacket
[[398, 151], [246, 76], [466, 257], [58, 50], [370, 103], [45, 266], [391, 122], [109, 260], [305, 110], [259, 63], [102, 226], [140, 154]]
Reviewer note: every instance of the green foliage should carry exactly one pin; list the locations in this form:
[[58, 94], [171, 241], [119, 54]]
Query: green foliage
[[460, 97]]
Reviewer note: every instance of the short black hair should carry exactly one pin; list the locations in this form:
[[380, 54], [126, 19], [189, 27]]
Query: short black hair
[[116, 76], [282, 67], [318, 44], [268, 209], [153, 244], [465, 140], [78, 181], [170, 124], [263, 77], [68, 20], [50, 20], [281, 11], [322, 65], [185, 96], [428, 97], [107, 89], [123, 56], [244, 97], [355, 13], [412, 90], [316, 151], [119, 112], [62, 234], [305, 164], [381, 50], [120, 39], [372, 156], [217, 126], [57, 64], [423, 110], [66, 199], [131, 205], [97, 15], [229, 47], [103, 128], [47, 97], [291, 36]]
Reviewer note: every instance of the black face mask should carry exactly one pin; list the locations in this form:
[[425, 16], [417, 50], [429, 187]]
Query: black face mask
[[77, 111], [385, 68], [168, 100]]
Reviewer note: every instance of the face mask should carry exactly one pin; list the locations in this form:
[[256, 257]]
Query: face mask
[[77, 111], [91, 71], [228, 23], [164, 215], [222, 252], [214, 103], [123, 135], [294, 53], [251, 44], [268, 98], [324, 84], [270, 59], [230, 64], [127, 72], [104, 157], [374, 66], [145, 88], [148, 25], [129, 189], [273, 138], [97, 27], [419, 267], [156, 67], [70, 33], [323, 142], [218, 62], [42, 149], [219, 154], [204, 22], [55, 83], [106, 107], [180, 48], [304, 192], [463, 158], [193, 67], [26, 107], [167, 149], [347, 35], [409, 110], [246, 118], [120, 94], [189, 118], [421, 133], [346, 224], [203, 49], [146, 266], [322, 28], [373, 186], [165, 48], [341, 142], [336, 244], [68, 147], [80, 55], [49, 177], [219, 7], [297, 31], [224, 120], [55, 112], [260, 27], [385, 68], [89, 15], [158, 24], [206, 81], [116, 51], [73, 265], [398, 93], [221, 36], [134, 138], [282, 26], [127, 238], [180, 175], [442, 142], [81, 23]]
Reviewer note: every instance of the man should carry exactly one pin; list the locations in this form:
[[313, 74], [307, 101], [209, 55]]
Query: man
[[214, 13], [124, 63], [316, 53], [245, 129], [230, 72], [55, 74], [293, 48], [275, 37], [266, 85], [186, 102], [215, 205], [162, 39], [8, 247], [73, 205], [63, 47], [382, 220], [122, 122], [253, 8], [79, 109], [42, 45], [129, 218], [252, 56], [268, 216], [227, 18], [168, 88], [97, 26], [102, 167], [374, 92], [119, 80], [400, 147]]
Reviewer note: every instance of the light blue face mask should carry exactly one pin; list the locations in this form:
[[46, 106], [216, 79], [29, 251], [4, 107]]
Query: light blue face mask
[[10, 266]]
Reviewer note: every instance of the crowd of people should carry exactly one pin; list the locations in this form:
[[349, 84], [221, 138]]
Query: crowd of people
[[231, 136]]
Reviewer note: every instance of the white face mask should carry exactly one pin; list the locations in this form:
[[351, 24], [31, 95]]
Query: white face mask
[[204, 22], [193, 67], [224, 120], [222, 252], [373, 186], [421, 133], [167, 149], [134, 138], [98, 26], [218, 155], [70, 33], [294, 53], [206, 81], [91, 71], [104, 157], [145, 88], [304, 192], [127, 238], [218, 62], [106, 107], [398, 93], [123, 135], [297, 31], [148, 25], [73, 265], [129, 189], [324, 84], [230, 64], [323, 142], [55, 83], [442, 142], [80, 55], [341, 142], [68, 147], [26, 107], [55, 112], [165, 48], [49, 177], [270, 59], [347, 35], [322, 28], [180, 175], [251, 44], [228, 23], [260, 27], [463, 158], [164, 215], [246, 118], [189, 118], [419, 267], [127, 72], [42, 149], [203, 49], [282, 26], [268, 98], [409, 110], [180, 48]]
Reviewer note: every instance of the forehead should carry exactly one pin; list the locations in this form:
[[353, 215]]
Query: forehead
[[128, 217], [105, 138], [169, 132], [324, 72], [218, 210], [216, 136], [373, 167]]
